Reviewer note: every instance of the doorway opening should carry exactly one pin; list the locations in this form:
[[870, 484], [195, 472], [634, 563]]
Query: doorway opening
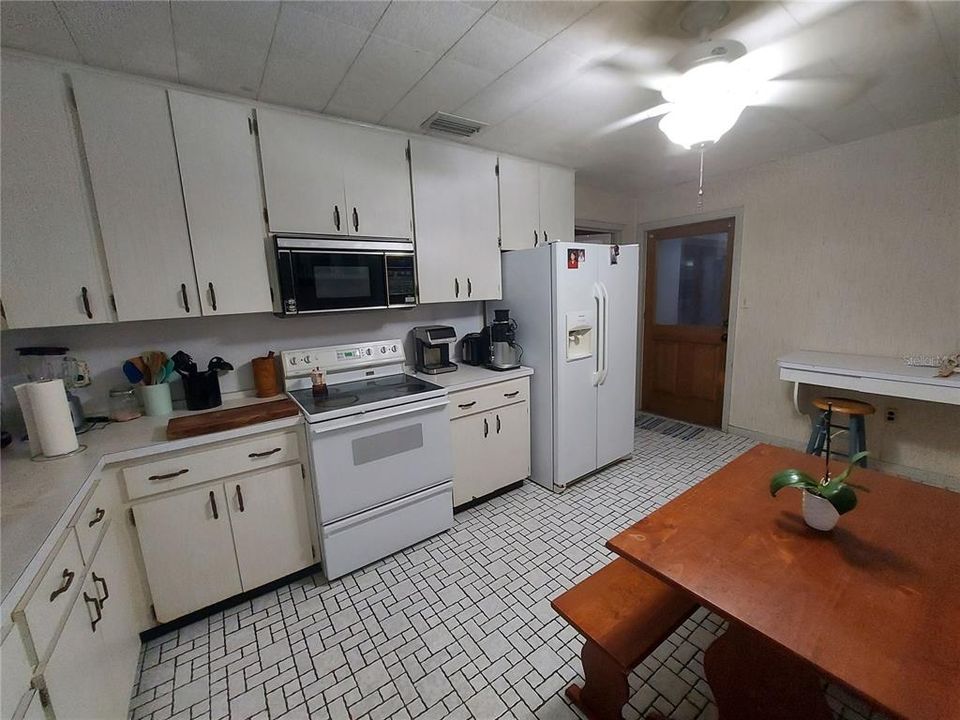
[[598, 235], [685, 320]]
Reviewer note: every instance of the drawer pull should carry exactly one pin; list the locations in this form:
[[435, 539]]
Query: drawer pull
[[98, 517], [174, 474], [498, 424], [68, 576], [464, 406], [266, 453], [96, 606], [486, 427], [106, 590], [213, 505], [511, 395], [240, 498]]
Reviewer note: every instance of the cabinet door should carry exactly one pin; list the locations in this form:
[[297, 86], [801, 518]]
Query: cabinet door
[[480, 225], [303, 161], [221, 192], [136, 184], [50, 253], [556, 204], [519, 204], [78, 666], [511, 431], [112, 573], [377, 182], [268, 512], [187, 551], [472, 461]]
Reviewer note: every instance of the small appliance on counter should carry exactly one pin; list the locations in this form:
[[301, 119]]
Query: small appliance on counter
[[201, 388], [475, 348], [433, 348], [505, 353]]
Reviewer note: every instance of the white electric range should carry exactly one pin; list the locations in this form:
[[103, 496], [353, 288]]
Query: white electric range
[[380, 450]]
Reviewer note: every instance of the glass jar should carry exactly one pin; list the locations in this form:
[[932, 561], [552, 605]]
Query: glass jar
[[123, 404]]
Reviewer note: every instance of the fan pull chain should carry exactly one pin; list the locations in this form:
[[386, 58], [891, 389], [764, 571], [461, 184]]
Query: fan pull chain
[[700, 190]]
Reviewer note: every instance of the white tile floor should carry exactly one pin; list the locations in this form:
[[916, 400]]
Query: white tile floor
[[459, 626]]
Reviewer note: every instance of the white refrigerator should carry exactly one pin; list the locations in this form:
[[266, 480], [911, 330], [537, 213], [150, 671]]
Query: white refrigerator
[[576, 310]]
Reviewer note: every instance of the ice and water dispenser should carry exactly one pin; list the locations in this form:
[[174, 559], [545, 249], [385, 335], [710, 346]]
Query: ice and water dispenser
[[579, 335]]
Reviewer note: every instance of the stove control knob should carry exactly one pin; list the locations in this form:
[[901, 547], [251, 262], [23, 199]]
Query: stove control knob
[[306, 359], [293, 361], [393, 349], [369, 351], [383, 349]]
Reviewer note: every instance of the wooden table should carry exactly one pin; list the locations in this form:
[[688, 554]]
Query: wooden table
[[873, 604]]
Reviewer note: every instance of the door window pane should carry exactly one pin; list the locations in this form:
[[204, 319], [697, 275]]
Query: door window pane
[[691, 280]]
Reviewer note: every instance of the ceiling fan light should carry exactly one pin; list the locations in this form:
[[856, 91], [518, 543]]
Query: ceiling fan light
[[699, 125]]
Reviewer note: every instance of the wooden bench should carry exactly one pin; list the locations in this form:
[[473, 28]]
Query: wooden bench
[[624, 614]]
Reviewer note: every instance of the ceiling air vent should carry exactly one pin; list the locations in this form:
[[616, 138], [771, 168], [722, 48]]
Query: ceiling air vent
[[441, 122]]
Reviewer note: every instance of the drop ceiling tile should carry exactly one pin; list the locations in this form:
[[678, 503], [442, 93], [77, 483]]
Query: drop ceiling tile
[[309, 57], [445, 87], [913, 93], [494, 45], [426, 24], [135, 37], [38, 28], [768, 21], [542, 17], [360, 14], [223, 45], [608, 29], [946, 16], [382, 74]]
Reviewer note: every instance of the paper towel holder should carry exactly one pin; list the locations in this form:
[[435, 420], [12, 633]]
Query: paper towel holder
[[44, 458]]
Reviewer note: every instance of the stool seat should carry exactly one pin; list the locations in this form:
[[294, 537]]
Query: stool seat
[[845, 405]]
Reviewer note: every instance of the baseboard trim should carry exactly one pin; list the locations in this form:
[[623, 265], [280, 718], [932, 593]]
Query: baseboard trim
[[489, 496], [926, 477]]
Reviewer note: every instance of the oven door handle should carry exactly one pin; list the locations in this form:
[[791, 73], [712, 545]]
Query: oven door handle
[[326, 426]]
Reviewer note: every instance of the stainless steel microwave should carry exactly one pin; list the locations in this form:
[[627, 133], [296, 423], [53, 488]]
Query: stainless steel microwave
[[329, 274]]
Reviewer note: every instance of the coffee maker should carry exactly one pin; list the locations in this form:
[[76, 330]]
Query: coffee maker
[[505, 353], [433, 348]]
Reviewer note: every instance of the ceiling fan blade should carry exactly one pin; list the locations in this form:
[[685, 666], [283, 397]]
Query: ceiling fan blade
[[823, 92], [639, 117]]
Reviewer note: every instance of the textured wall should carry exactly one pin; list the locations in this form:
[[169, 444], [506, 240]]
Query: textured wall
[[852, 249]]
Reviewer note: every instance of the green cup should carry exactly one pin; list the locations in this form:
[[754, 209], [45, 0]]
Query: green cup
[[156, 400]]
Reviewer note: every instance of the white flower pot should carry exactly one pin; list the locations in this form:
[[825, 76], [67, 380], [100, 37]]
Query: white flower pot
[[819, 513]]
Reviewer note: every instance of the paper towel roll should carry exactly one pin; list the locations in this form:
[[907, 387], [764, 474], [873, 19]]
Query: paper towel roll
[[51, 414], [23, 397]]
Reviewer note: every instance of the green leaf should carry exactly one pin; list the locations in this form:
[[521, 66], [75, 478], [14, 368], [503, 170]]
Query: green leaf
[[791, 478], [840, 479], [844, 499]]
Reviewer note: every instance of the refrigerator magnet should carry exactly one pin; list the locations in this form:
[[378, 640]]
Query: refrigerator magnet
[[575, 256]]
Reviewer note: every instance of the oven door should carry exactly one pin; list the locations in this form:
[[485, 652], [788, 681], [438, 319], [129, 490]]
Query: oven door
[[365, 461]]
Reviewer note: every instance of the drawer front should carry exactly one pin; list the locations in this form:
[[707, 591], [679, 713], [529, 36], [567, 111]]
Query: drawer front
[[15, 678], [201, 465], [49, 599], [487, 397], [91, 521]]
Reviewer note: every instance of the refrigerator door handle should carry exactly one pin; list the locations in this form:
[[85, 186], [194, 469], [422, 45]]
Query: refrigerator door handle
[[605, 338], [598, 333]]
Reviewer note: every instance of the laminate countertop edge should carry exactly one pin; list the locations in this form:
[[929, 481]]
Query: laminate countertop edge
[[467, 377]]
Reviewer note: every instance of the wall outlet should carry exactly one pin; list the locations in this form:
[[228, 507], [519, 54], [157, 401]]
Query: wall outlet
[[891, 414]]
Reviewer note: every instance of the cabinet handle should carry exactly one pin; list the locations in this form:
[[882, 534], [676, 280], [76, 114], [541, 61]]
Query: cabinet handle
[[86, 302], [106, 590], [213, 296], [174, 474], [98, 516], [498, 423], [469, 288], [213, 505], [96, 606], [356, 220], [183, 294], [464, 406], [486, 427], [536, 238], [546, 238], [511, 395], [336, 216], [68, 576], [264, 453], [240, 498], [456, 287]]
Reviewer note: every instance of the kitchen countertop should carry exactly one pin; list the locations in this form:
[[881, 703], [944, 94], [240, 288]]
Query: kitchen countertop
[[471, 376], [38, 499]]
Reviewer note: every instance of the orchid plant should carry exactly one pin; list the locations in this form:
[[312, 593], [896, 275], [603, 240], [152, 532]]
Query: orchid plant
[[836, 490]]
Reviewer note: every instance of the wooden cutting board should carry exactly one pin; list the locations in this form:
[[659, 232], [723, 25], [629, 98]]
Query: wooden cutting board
[[220, 420]]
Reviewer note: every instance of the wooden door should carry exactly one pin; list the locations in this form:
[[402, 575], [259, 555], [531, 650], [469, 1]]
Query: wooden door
[[687, 298], [510, 429], [303, 161], [50, 257], [377, 183], [268, 512], [132, 157], [556, 204], [519, 204], [187, 551], [221, 191]]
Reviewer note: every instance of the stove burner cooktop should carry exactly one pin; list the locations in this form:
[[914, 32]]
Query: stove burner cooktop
[[361, 392]]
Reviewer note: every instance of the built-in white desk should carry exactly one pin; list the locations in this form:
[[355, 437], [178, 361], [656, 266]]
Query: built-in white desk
[[869, 374]]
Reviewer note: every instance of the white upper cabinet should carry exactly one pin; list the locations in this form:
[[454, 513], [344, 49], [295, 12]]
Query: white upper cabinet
[[221, 191], [330, 178], [456, 222], [519, 204], [536, 204], [52, 270], [556, 204], [130, 150]]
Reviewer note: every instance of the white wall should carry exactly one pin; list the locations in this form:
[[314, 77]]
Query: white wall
[[237, 338], [601, 209], [851, 249]]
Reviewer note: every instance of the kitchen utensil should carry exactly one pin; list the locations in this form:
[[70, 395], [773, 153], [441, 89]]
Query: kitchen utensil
[[265, 375], [193, 425], [218, 364], [183, 363], [132, 372]]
